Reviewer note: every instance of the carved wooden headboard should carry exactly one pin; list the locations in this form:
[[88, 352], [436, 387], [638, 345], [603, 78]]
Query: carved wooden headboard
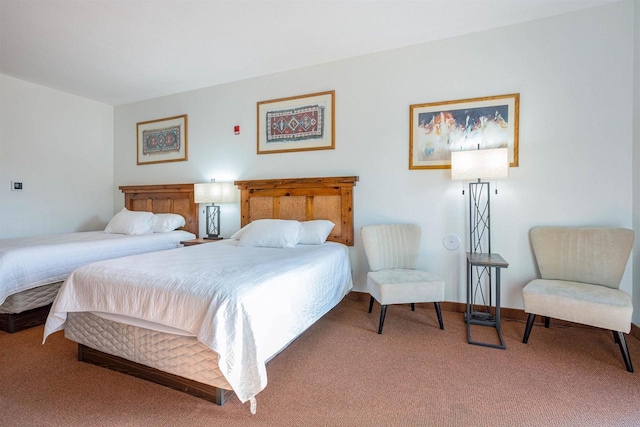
[[164, 198], [301, 199]]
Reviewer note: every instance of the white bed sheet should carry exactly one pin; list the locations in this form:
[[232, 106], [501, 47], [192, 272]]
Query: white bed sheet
[[244, 303], [29, 262]]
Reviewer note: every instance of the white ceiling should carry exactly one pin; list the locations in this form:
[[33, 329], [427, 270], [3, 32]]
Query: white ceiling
[[122, 51]]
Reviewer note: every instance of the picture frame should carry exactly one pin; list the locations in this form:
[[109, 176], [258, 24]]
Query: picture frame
[[437, 128], [297, 123], [162, 140]]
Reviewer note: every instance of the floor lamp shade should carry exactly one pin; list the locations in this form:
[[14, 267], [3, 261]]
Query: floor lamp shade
[[214, 192], [480, 164]]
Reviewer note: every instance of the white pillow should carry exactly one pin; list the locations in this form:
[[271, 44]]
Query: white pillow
[[240, 232], [130, 222], [163, 223], [271, 233], [315, 232]]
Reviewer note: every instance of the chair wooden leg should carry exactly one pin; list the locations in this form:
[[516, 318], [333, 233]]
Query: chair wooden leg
[[383, 312], [439, 313], [547, 321], [615, 337], [527, 330], [622, 342], [370, 304], [413, 307]]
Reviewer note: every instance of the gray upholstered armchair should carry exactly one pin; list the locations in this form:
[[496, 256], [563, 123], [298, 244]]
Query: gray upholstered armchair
[[581, 270], [392, 253]]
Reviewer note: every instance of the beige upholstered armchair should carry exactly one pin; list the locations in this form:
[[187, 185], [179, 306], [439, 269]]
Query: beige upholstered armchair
[[392, 252], [581, 270]]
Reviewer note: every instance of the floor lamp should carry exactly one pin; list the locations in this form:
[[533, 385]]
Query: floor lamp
[[476, 166], [214, 192]]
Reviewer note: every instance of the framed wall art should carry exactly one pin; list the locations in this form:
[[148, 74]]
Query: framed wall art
[[298, 123], [162, 140], [438, 128]]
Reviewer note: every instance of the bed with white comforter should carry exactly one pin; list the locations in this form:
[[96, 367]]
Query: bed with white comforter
[[31, 262], [245, 304]]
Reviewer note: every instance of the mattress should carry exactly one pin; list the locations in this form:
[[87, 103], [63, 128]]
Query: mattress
[[30, 299], [27, 263], [175, 354], [244, 303]]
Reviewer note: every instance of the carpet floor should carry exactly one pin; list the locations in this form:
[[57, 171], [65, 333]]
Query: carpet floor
[[340, 372]]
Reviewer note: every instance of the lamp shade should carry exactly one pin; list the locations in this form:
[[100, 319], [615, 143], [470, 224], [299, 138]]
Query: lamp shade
[[480, 164], [215, 192]]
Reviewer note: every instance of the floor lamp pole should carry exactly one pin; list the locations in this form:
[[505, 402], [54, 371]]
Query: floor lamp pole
[[479, 217], [480, 233]]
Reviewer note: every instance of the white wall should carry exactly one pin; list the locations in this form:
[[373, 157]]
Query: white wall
[[61, 147], [574, 74]]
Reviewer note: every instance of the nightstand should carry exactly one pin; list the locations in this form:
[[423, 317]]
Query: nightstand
[[198, 241]]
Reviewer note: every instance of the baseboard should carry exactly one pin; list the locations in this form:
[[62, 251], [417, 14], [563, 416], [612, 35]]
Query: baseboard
[[505, 312]]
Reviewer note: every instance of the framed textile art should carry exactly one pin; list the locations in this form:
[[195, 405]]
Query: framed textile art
[[298, 123], [163, 140], [436, 129]]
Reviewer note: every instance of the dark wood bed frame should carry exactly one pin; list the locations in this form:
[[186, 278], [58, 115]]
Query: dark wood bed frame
[[294, 198], [164, 198], [15, 322]]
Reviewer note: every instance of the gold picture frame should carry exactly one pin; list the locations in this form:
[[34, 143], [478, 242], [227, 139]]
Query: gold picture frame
[[437, 128], [297, 123], [162, 140]]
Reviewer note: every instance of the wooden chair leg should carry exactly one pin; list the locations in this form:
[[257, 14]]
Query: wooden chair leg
[[370, 304], [622, 342], [439, 313], [547, 321], [527, 330], [383, 312], [615, 337], [413, 307]]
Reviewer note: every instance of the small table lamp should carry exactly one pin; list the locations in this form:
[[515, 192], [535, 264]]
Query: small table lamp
[[479, 164], [214, 192]]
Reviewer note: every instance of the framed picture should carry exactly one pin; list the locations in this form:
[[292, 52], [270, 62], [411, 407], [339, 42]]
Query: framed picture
[[438, 128], [298, 123], [163, 140]]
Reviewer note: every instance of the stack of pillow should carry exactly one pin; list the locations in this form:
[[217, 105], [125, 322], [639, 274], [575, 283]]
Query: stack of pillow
[[139, 222], [269, 233], [282, 233]]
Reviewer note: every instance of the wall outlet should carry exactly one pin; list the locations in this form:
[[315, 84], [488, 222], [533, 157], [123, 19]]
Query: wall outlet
[[16, 186]]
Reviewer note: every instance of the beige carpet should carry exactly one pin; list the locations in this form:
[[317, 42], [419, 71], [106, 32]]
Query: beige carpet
[[342, 373]]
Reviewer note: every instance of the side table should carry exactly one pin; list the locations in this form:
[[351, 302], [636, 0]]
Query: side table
[[198, 241], [483, 263]]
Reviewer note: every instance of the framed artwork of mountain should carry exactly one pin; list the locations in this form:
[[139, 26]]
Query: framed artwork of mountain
[[438, 128]]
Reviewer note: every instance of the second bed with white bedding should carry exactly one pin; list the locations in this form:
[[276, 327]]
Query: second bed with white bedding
[[30, 262]]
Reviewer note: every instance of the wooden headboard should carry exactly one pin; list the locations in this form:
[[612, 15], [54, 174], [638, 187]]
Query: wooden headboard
[[301, 199], [164, 198]]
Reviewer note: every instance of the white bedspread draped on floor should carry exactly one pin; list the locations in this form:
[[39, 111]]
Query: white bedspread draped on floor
[[246, 304], [29, 262]]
